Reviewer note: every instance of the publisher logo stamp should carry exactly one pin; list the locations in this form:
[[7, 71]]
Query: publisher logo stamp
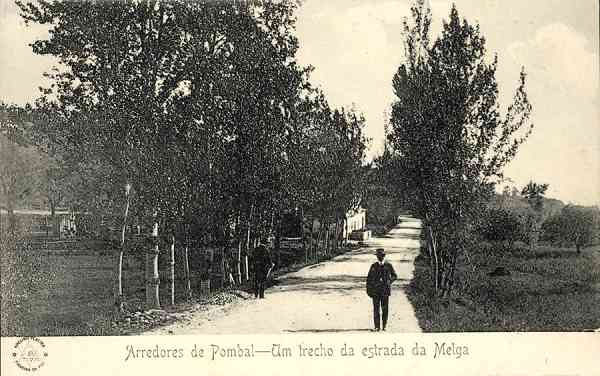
[[30, 353]]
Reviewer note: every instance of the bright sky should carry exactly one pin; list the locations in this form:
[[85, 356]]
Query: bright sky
[[356, 46]]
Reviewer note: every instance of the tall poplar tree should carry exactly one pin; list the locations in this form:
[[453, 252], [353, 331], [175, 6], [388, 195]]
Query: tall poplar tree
[[448, 140]]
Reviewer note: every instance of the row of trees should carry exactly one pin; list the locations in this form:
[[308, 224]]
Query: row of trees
[[191, 117], [507, 220], [575, 225], [448, 140]]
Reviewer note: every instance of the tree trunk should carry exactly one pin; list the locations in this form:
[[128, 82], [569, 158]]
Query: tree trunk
[[535, 233], [304, 245], [320, 240], [448, 275], [152, 277], [238, 271], [331, 238], [238, 262], [172, 271], [313, 244], [55, 224], [327, 238], [7, 192], [238, 256], [271, 228], [247, 251], [278, 239], [225, 271], [259, 230], [188, 283], [12, 219], [429, 249], [118, 286], [336, 235], [329, 242], [324, 241], [436, 260]]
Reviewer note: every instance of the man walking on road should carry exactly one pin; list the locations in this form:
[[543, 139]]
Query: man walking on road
[[262, 268], [379, 281]]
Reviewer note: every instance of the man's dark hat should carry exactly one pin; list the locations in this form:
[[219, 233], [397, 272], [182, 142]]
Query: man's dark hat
[[380, 251]]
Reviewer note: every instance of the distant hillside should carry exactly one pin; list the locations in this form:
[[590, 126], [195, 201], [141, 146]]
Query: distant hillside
[[519, 204]]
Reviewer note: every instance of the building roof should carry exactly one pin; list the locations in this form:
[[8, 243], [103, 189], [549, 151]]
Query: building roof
[[36, 212]]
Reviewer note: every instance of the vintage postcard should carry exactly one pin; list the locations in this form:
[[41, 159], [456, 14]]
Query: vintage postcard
[[300, 186]]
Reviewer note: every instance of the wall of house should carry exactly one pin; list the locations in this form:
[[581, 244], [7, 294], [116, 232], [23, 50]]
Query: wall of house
[[38, 223], [355, 221]]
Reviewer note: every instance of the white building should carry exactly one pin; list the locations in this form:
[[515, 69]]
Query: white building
[[355, 220]]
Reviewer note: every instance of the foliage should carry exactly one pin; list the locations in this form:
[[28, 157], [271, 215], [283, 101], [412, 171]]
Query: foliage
[[501, 225], [379, 202], [520, 205], [201, 108], [575, 225], [534, 194], [448, 142]]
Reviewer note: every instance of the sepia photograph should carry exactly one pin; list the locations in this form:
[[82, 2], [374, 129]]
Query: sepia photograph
[[297, 167]]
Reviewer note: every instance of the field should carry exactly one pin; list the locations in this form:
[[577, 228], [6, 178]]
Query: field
[[53, 294], [69, 292], [551, 289], [63, 294], [56, 295]]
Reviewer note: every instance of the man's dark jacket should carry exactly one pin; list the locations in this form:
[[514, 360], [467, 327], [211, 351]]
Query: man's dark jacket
[[380, 278], [262, 262]]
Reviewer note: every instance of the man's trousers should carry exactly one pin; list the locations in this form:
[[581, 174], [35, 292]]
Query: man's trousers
[[259, 288], [380, 303]]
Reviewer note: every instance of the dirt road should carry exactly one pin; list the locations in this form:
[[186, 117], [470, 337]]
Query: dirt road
[[326, 297]]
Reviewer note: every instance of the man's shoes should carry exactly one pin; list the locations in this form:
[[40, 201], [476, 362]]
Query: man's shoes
[[376, 329]]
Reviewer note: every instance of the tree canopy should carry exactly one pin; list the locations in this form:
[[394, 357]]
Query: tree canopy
[[448, 140], [200, 107]]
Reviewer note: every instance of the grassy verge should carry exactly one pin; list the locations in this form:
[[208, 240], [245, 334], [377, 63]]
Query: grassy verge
[[551, 289]]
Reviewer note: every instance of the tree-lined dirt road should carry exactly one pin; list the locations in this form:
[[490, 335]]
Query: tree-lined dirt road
[[326, 297]]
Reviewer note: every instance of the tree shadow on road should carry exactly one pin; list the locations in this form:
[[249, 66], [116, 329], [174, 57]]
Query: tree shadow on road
[[371, 251], [347, 278], [413, 227], [402, 236], [340, 284]]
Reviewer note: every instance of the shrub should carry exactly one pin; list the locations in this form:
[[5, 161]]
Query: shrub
[[575, 225], [501, 225]]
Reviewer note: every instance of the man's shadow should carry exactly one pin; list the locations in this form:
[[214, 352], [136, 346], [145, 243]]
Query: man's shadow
[[327, 330]]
